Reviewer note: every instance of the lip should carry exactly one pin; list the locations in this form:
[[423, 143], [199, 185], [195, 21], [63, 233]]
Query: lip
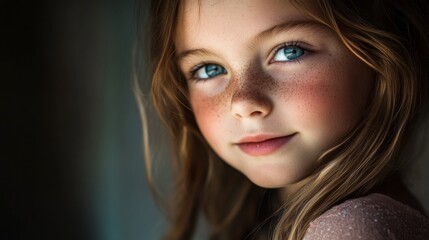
[[263, 144]]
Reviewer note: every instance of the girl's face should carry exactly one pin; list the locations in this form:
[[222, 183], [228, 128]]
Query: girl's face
[[270, 88]]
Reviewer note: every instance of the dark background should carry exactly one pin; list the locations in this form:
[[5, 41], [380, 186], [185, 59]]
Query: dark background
[[71, 157]]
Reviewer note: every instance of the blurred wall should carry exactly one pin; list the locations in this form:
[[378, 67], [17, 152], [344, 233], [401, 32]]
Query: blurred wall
[[74, 166]]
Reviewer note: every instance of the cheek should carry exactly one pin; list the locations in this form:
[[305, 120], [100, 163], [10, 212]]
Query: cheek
[[328, 102], [312, 103], [210, 103], [207, 112]]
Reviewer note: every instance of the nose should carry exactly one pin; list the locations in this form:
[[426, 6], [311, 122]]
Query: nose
[[250, 103]]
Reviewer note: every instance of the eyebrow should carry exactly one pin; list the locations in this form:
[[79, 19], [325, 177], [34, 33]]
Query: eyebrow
[[278, 28], [287, 26], [192, 52]]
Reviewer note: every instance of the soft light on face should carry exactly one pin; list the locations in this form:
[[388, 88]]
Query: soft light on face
[[271, 89]]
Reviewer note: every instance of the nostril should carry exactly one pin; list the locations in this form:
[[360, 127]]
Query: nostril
[[251, 114], [255, 113], [250, 105]]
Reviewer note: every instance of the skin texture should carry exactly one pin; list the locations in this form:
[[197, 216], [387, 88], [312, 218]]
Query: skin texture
[[315, 99]]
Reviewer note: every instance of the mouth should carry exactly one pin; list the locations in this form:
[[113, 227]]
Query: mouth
[[263, 145]]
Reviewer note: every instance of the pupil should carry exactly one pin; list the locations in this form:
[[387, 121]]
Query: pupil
[[293, 52], [213, 70]]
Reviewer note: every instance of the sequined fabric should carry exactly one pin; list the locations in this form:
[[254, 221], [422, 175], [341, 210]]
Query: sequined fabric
[[374, 217]]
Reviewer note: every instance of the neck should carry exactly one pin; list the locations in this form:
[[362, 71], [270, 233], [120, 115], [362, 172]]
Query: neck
[[286, 191]]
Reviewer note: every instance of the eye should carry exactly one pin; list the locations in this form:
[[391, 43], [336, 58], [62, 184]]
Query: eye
[[208, 71], [288, 53]]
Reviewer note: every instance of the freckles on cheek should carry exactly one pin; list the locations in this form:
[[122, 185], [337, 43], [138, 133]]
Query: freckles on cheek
[[325, 104], [313, 100], [207, 113], [211, 111]]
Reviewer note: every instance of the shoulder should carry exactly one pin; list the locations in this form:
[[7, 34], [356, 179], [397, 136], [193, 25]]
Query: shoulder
[[375, 216]]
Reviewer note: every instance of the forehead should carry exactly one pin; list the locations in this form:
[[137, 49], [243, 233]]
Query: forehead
[[202, 21]]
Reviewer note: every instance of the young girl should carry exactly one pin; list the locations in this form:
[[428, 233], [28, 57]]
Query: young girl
[[289, 118]]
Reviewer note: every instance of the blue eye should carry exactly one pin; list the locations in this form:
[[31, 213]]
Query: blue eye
[[288, 53], [209, 71]]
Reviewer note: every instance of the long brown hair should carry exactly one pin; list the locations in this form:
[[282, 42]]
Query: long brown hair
[[388, 35]]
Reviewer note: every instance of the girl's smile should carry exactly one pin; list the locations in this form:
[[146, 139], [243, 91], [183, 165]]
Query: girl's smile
[[271, 90], [263, 144]]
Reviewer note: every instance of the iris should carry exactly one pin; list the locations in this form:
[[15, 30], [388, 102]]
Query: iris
[[209, 71], [288, 53]]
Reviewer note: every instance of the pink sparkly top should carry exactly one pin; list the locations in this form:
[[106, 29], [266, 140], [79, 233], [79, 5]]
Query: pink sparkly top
[[375, 216]]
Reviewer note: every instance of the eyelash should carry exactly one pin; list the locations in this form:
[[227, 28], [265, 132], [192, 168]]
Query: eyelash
[[273, 52]]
